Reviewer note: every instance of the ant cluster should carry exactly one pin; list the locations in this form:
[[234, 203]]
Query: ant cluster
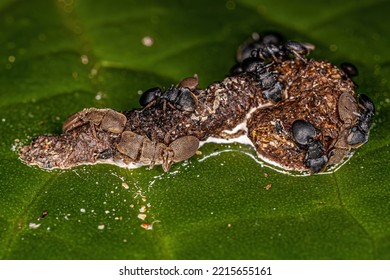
[[300, 113], [258, 54]]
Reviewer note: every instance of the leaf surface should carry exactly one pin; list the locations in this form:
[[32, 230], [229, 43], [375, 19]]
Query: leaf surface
[[58, 58]]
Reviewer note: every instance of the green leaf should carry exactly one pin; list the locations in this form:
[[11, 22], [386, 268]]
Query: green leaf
[[58, 57]]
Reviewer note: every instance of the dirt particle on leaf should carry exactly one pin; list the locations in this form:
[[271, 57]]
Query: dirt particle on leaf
[[147, 41], [143, 209], [147, 226], [33, 225], [84, 59], [43, 215], [141, 216], [125, 185], [99, 95]]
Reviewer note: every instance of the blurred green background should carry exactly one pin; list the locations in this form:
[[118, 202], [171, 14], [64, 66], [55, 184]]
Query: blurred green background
[[58, 57]]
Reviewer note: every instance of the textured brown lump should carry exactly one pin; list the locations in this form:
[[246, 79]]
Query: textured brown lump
[[312, 91]]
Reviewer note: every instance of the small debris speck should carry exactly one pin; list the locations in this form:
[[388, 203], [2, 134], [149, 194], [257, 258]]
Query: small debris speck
[[147, 41], [141, 216], [147, 226], [93, 72], [43, 215], [101, 227], [34, 225], [125, 185], [84, 59], [268, 186], [82, 210], [98, 95]]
